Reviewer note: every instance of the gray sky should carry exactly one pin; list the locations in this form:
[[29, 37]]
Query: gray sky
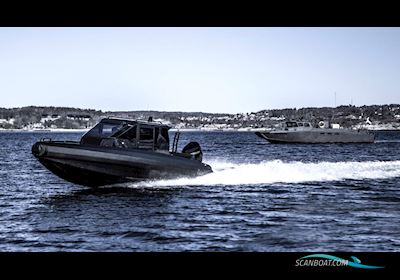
[[198, 69]]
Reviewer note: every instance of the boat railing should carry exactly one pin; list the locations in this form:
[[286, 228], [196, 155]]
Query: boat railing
[[175, 142]]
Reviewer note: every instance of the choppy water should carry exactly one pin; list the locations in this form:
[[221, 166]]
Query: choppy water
[[261, 197]]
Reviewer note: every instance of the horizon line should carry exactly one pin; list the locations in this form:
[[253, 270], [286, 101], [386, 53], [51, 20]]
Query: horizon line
[[175, 111]]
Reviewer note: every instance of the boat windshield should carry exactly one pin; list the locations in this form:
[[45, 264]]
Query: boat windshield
[[126, 132], [108, 129], [291, 124], [102, 130]]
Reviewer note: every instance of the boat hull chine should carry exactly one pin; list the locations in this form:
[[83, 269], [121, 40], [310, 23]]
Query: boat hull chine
[[76, 175]]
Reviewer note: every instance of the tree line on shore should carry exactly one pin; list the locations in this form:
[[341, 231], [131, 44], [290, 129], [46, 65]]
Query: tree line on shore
[[64, 117]]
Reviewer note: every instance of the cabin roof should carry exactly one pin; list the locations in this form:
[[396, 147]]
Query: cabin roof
[[131, 121]]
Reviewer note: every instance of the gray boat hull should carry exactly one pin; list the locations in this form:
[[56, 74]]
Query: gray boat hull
[[96, 166], [318, 136]]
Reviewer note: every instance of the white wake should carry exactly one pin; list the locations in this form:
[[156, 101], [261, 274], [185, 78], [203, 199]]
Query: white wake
[[277, 171]]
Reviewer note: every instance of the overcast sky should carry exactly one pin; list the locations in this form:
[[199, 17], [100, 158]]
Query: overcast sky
[[199, 69]]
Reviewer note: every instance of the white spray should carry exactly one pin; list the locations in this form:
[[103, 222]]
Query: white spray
[[276, 171]]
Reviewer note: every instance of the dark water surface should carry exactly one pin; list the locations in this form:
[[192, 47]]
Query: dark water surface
[[261, 197]]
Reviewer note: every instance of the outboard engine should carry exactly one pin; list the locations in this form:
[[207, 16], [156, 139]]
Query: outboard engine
[[194, 149]]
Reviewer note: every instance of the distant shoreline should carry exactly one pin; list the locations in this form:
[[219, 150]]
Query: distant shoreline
[[44, 130], [65, 130], [56, 119], [55, 130]]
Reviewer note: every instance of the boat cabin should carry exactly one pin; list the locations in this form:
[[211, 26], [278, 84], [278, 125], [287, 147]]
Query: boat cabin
[[123, 133], [292, 125]]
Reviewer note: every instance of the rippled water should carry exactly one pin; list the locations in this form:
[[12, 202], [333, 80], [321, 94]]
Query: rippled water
[[261, 197]]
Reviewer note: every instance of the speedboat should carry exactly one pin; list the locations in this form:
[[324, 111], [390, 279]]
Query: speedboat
[[121, 150], [305, 133]]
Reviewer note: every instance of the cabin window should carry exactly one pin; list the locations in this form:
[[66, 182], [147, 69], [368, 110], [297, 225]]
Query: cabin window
[[306, 124], [161, 139], [102, 130], [156, 133], [108, 129], [322, 132], [164, 133], [146, 133], [291, 124], [129, 133], [300, 124]]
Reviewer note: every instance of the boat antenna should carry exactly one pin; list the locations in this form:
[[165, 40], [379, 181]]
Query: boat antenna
[[335, 99], [333, 112]]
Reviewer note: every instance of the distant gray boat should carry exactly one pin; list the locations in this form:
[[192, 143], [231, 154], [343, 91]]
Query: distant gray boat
[[304, 132]]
